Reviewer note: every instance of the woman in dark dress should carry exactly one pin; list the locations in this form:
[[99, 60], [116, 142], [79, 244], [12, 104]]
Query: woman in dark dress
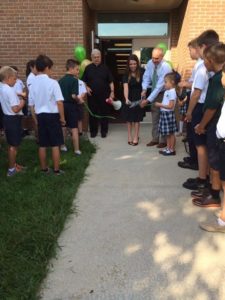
[[132, 92]]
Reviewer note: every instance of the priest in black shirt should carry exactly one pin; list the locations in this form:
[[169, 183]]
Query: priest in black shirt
[[100, 86]]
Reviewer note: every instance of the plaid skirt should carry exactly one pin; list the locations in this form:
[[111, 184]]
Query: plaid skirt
[[167, 123], [183, 109]]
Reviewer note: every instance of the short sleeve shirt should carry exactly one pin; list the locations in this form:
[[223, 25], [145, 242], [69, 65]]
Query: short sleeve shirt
[[201, 81], [44, 94], [8, 98], [98, 78], [69, 87], [169, 95], [215, 94]]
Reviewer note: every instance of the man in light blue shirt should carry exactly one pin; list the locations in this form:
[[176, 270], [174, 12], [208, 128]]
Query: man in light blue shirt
[[155, 72]]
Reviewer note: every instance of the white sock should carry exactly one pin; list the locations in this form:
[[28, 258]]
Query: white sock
[[11, 169], [181, 125], [221, 222]]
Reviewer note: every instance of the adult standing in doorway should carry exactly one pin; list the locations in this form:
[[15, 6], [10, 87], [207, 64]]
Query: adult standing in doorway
[[155, 72], [100, 86]]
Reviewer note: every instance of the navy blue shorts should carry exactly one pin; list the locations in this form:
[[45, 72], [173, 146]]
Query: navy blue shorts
[[71, 115], [197, 114], [49, 130], [212, 146], [222, 159], [13, 129]]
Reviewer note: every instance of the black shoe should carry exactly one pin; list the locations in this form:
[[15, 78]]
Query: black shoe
[[103, 135], [185, 140], [93, 134], [187, 165], [194, 185], [186, 159]]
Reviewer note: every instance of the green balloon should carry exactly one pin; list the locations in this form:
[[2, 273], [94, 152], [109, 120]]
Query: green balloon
[[79, 53], [162, 46]]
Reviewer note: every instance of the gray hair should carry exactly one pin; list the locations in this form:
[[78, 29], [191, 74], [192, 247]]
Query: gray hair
[[95, 51]]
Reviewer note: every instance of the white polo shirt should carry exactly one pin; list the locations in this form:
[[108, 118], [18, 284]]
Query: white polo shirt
[[201, 81], [30, 80], [220, 128], [81, 87], [169, 95], [8, 99], [44, 94], [19, 86]]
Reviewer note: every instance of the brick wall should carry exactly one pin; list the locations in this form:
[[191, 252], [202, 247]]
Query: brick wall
[[31, 27], [188, 21]]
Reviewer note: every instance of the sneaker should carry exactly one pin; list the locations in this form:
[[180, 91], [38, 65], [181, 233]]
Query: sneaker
[[63, 148], [169, 153], [46, 171], [164, 150], [13, 172], [212, 227], [194, 185], [20, 168], [77, 152], [58, 172], [218, 213]]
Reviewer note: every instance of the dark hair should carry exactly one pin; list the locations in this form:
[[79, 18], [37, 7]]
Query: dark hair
[[216, 52], [15, 68], [43, 62], [138, 72], [71, 63], [173, 76], [193, 43], [30, 64], [208, 38]]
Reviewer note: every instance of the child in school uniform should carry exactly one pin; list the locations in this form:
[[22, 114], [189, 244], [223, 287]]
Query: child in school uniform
[[219, 224], [214, 58], [46, 103], [69, 86], [167, 121], [12, 117]]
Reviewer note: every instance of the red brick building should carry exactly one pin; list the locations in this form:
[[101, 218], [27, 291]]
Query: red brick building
[[55, 27]]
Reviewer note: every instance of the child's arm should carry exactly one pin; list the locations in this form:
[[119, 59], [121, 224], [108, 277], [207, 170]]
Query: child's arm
[[193, 101], [207, 117], [19, 107], [169, 106], [61, 112], [33, 114]]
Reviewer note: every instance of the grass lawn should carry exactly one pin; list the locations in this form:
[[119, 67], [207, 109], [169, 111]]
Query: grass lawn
[[33, 210]]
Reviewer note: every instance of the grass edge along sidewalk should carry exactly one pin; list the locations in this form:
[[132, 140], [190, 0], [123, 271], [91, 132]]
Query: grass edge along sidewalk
[[33, 210]]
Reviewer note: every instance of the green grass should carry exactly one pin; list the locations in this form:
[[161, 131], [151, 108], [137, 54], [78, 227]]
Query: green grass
[[33, 210]]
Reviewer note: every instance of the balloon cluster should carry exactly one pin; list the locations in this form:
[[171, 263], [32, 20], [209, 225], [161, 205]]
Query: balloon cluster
[[80, 55]]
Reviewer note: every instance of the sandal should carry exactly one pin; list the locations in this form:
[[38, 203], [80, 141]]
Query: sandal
[[130, 143]]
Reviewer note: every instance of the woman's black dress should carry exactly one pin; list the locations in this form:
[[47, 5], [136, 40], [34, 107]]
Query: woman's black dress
[[135, 114]]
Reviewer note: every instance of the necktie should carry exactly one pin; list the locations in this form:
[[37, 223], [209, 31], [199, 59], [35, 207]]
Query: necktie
[[154, 78]]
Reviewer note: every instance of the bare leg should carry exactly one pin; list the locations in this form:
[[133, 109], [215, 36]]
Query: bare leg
[[215, 179], [80, 126], [42, 158], [129, 131], [64, 130], [12, 152], [56, 157], [202, 161], [136, 132], [75, 138], [172, 142]]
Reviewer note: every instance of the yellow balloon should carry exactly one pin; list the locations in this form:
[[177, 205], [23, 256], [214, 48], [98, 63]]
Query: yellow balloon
[[84, 64]]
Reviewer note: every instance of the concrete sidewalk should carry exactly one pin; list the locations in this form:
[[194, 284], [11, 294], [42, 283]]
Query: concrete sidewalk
[[136, 235]]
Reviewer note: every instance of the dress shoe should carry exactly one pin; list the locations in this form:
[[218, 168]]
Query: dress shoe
[[93, 134], [161, 145], [208, 201], [103, 134], [187, 165], [200, 193], [152, 143]]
